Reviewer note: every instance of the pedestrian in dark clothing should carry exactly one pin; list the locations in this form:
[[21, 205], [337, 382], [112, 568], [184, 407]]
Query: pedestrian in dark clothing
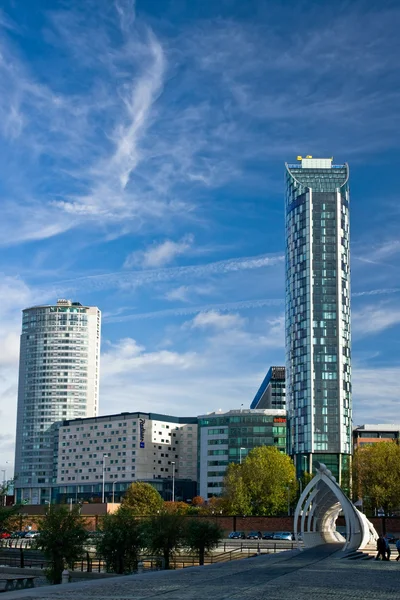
[[381, 548], [398, 550], [388, 551]]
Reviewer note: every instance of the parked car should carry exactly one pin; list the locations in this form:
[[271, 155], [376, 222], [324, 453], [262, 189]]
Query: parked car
[[268, 535], [31, 534], [4, 535], [254, 535], [283, 535], [18, 534], [237, 535]]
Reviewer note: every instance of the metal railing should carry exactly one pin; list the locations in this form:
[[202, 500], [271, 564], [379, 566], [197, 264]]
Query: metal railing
[[15, 554]]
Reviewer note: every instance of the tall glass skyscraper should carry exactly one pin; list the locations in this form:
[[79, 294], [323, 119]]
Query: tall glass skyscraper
[[58, 380], [318, 359]]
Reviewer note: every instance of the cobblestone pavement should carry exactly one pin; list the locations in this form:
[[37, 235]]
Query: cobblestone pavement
[[318, 574]]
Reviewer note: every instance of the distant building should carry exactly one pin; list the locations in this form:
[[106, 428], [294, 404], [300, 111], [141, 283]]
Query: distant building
[[58, 379], [371, 434], [133, 446], [228, 437], [318, 358], [272, 391]]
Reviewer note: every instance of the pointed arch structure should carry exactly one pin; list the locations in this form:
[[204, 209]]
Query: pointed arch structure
[[317, 510]]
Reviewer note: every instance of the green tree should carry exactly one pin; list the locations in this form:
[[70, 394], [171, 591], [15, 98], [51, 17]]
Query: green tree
[[202, 536], [236, 494], [163, 535], [376, 476], [142, 499], [262, 484], [180, 508], [7, 516], [120, 541], [62, 538]]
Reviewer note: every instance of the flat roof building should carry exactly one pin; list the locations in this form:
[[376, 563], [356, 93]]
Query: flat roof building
[[228, 437], [373, 433], [135, 446], [317, 328]]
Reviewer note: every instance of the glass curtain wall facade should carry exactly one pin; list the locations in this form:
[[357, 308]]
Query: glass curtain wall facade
[[58, 379], [318, 359], [225, 438], [272, 391]]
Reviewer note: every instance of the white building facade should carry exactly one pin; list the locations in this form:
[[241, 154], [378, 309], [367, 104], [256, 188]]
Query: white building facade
[[130, 447], [58, 379]]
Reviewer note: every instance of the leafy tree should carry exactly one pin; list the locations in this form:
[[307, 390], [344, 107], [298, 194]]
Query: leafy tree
[[376, 475], [163, 535], [201, 536], [142, 499], [120, 542], [7, 516], [236, 493], [62, 538], [180, 508], [261, 484], [198, 501]]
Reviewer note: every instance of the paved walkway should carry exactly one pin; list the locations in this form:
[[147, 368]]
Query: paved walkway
[[318, 574]]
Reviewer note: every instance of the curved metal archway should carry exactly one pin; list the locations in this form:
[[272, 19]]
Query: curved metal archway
[[317, 510]]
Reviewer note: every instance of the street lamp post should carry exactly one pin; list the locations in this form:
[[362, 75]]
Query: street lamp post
[[4, 488], [288, 498], [113, 489], [240, 454], [173, 480], [4, 471], [104, 476]]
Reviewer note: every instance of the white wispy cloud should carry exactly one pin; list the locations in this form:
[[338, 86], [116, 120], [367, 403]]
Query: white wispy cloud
[[192, 310], [376, 394], [127, 356], [373, 319], [217, 320], [376, 292], [125, 279], [186, 293], [159, 255]]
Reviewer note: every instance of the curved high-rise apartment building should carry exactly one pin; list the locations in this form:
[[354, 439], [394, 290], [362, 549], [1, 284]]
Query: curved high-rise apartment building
[[318, 359], [58, 380]]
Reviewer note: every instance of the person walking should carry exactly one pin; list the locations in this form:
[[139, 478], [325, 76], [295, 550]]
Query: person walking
[[388, 550], [381, 548], [398, 549]]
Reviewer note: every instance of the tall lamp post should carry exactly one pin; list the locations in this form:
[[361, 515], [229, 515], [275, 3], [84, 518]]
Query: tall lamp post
[[4, 471], [113, 489], [173, 480], [240, 455], [104, 476], [4, 498]]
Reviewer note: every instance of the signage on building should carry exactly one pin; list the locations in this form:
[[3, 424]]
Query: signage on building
[[279, 419], [142, 429]]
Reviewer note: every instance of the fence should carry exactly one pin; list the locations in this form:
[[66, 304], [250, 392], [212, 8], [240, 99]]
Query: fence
[[15, 554]]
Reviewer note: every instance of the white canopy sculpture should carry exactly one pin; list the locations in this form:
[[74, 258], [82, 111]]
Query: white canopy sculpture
[[317, 510]]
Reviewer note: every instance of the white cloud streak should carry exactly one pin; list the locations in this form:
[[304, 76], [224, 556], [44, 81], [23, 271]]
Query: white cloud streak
[[159, 255], [372, 319], [137, 278], [192, 310]]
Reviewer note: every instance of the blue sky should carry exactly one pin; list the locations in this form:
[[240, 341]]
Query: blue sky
[[141, 169]]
